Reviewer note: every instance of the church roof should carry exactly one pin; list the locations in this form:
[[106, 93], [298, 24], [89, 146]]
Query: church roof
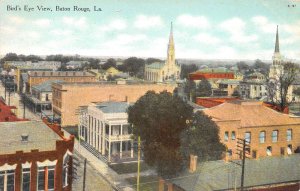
[[156, 65]]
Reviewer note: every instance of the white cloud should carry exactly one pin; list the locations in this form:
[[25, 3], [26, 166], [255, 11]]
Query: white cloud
[[42, 22], [146, 22], [264, 24], [193, 21], [113, 25], [236, 28], [76, 22], [125, 39], [60, 32], [17, 20], [206, 38]]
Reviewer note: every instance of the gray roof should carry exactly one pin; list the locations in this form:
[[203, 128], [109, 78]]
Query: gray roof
[[156, 65], [59, 73], [113, 107], [46, 86], [40, 136], [221, 175]]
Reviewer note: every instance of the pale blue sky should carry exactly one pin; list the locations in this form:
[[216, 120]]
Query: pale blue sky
[[212, 29]]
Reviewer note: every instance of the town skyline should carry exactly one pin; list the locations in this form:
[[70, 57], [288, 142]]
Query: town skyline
[[231, 31]]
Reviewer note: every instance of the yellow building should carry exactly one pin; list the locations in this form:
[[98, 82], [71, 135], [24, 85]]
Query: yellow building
[[112, 71], [164, 71]]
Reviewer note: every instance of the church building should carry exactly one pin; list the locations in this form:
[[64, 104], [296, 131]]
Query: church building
[[164, 71], [276, 68]]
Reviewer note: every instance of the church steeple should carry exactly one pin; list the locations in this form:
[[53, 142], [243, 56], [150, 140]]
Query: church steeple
[[277, 42], [171, 49]]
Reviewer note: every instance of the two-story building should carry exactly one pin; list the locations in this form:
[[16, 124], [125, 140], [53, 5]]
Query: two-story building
[[268, 132], [104, 127]]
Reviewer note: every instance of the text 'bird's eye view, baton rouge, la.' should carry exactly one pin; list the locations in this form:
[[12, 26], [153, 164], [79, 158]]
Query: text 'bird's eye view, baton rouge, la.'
[[156, 95]]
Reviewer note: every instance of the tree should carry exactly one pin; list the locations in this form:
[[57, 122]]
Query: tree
[[242, 66], [261, 66], [134, 66], [109, 63], [159, 119], [280, 84], [201, 138], [152, 60], [204, 88], [190, 89], [186, 69]]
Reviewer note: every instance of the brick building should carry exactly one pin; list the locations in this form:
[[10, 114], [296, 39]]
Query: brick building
[[268, 132], [67, 97], [37, 77], [34, 156]]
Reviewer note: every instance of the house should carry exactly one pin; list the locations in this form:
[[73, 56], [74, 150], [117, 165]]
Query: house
[[34, 156], [226, 87], [253, 86], [76, 64], [268, 132], [104, 127]]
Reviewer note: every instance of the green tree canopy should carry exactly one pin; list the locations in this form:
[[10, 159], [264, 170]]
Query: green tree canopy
[[109, 63], [135, 66], [186, 69], [160, 118], [201, 138], [204, 88]]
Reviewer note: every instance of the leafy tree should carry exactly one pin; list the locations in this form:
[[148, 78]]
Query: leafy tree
[[204, 88], [242, 66], [159, 119], [186, 69], [134, 66], [152, 60], [201, 138], [261, 66], [109, 63]]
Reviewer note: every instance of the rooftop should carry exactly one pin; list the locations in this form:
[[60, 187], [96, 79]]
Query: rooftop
[[113, 107], [156, 65], [250, 114], [59, 73], [221, 175], [40, 137], [6, 114], [128, 82], [46, 86]]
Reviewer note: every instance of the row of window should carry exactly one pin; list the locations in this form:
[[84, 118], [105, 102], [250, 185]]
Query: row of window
[[45, 175], [289, 150], [262, 136]]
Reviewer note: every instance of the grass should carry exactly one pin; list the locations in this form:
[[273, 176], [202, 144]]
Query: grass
[[147, 183], [125, 168]]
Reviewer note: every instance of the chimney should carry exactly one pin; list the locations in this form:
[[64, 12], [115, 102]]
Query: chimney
[[193, 163], [24, 137]]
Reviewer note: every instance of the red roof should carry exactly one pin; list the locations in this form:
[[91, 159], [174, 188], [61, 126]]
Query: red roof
[[6, 115], [209, 102]]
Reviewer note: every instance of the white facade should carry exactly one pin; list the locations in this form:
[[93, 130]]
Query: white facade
[[107, 132]]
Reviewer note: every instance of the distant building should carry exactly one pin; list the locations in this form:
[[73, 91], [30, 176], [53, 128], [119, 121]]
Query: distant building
[[41, 97], [268, 132], [254, 86], [76, 64], [212, 74], [37, 77], [164, 71], [50, 65], [104, 127], [67, 97], [34, 156], [226, 87]]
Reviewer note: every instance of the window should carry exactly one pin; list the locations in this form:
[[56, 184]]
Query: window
[[274, 136], [41, 178], [65, 171], [282, 150], [229, 152], [269, 151], [262, 137], [7, 180], [226, 136], [254, 154], [51, 178], [289, 135], [26, 179], [233, 135], [248, 137]]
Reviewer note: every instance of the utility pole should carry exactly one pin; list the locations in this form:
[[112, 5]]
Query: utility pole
[[139, 159], [244, 145], [23, 106], [84, 174], [8, 97]]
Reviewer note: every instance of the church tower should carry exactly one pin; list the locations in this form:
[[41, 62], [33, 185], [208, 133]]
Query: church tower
[[171, 50], [276, 67]]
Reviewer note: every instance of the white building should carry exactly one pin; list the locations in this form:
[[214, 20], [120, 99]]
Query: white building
[[104, 127]]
